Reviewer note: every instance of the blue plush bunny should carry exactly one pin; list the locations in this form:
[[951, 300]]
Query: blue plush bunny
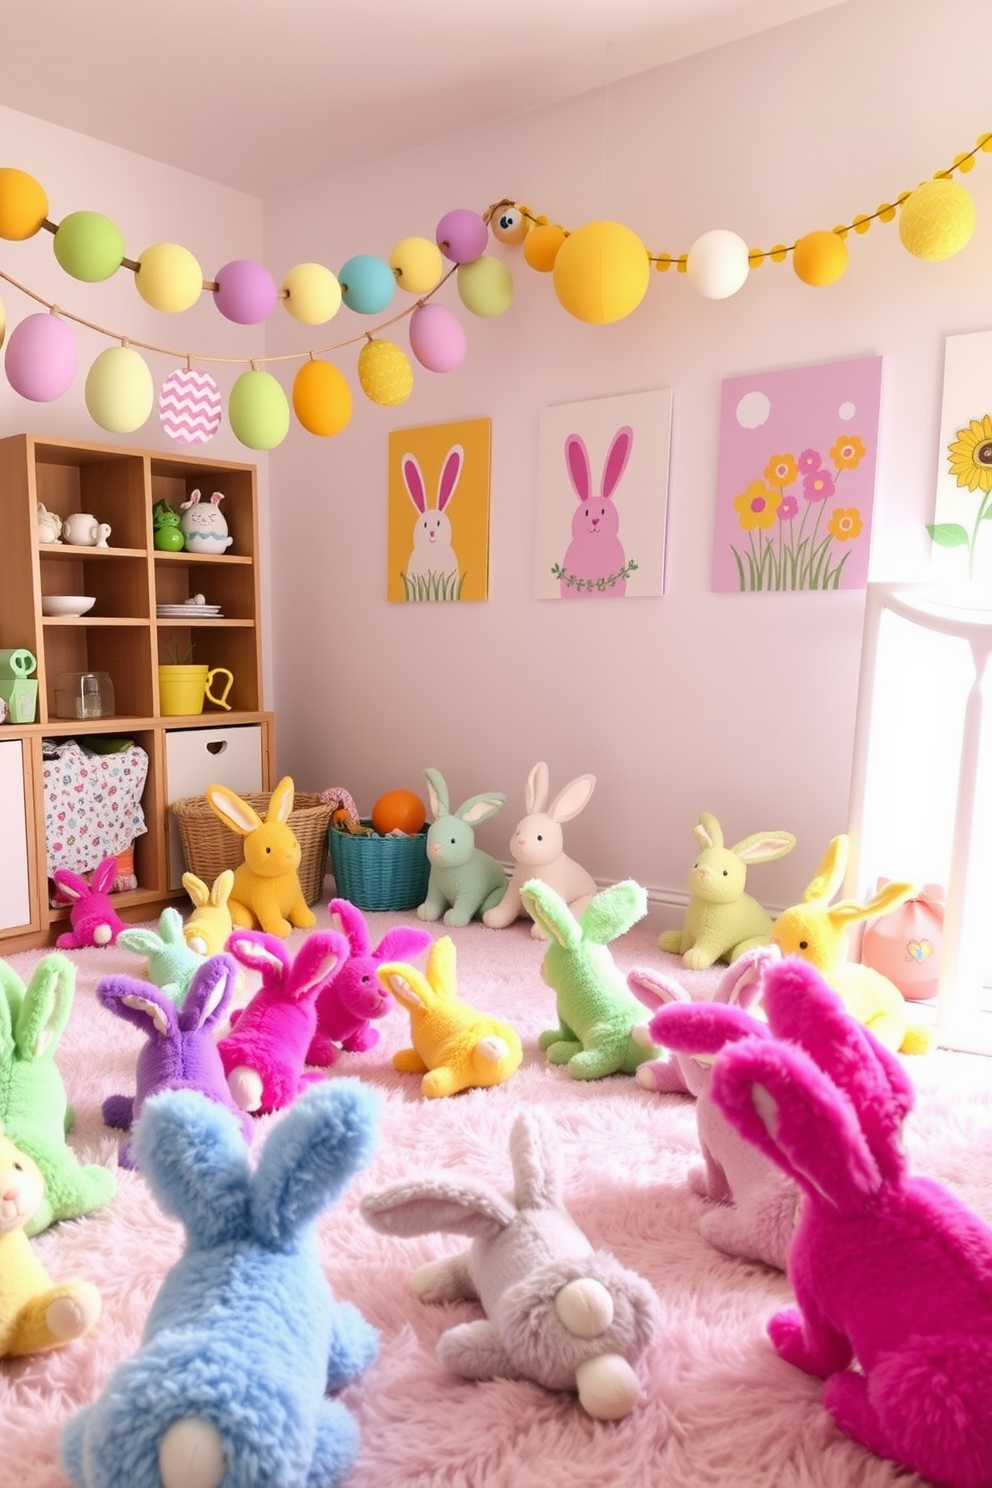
[[245, 1337]]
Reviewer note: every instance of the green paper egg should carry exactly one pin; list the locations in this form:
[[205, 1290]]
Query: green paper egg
[[311, 293], [485, 286], [258, 410], [169, 277], [88, 246], [119, 390]]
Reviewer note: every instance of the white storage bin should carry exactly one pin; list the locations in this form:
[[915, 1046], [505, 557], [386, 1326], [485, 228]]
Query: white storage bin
[[15, 900], [198, 757]]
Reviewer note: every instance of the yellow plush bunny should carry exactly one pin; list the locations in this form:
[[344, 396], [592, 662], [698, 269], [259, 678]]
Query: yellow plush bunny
[[266, 891], [455, 1047], [817, 930], [35, 1313], [209, 926]]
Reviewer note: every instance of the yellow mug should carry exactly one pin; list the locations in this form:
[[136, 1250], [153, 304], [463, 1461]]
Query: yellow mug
[[182, 689]]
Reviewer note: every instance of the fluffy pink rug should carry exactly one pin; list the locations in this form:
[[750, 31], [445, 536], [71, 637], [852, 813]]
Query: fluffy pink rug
[[719, 1408]]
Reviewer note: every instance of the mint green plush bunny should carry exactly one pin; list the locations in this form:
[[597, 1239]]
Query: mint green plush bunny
[[34, 1112], [596, 1009], [172, 964], [464, 881]]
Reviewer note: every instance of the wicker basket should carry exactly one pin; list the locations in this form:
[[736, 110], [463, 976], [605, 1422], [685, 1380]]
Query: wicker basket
[[209, 846], [380, 872]]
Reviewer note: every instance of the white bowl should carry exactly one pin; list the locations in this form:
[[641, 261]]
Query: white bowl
[[66, 604]]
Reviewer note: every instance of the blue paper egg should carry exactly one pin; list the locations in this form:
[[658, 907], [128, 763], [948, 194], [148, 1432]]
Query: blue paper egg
[[367, 284]]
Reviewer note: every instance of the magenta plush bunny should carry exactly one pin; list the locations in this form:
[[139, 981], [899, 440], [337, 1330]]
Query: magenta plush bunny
[[755, 1204], [267, 1047], [347, 1002], [892, 1273], [94, 920], [181, 1052]]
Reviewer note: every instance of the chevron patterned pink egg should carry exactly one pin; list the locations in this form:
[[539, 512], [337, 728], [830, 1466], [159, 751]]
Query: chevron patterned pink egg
[[189, 406]]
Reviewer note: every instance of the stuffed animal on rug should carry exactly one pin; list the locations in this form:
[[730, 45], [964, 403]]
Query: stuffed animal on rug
[[347, 1004], [266, 1050], [170, 963], [36, 1313], [892, 1274], [207, 929], [752, 1210], [538, 849], [94, 920], [34, 1111], [245, 1338], [267, 894], [816, 930], [180, 1052], [597, 1012], [557, 1311], [721, 921], [455, 1047], [464, 882]]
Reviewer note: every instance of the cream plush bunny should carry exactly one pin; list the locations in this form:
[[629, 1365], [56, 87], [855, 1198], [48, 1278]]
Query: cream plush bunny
[[538, 849], [721, 921], [208, 927], [267, 893], [454, 1046], [817, 930]]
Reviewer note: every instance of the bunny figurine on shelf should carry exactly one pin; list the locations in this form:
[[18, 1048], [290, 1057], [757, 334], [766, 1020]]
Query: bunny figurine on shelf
[[721, 921], [265, 1052], [557, 1311], [464, 881], [432, 569], [94, 920], [353, 997], [245, 1339], [267, 893], [892, 1273], [204, 525], [538, 849], [595, 564], [181, 1050]]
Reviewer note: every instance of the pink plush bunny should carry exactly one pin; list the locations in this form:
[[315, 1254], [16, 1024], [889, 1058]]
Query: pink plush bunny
[[595, 562], [94, 920], [755, 1206], [353, 996], [264, 1054], [892, 1273]]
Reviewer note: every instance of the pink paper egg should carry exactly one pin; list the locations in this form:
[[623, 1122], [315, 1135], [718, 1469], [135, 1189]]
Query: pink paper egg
[[189, 406], [40, 360], [437, 338], [246, 292], [461, 235]]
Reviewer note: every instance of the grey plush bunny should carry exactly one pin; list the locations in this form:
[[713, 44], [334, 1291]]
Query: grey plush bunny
[[557, 1311]]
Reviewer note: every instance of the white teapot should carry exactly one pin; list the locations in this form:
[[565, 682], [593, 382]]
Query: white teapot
[[82, 530], [49, 525]]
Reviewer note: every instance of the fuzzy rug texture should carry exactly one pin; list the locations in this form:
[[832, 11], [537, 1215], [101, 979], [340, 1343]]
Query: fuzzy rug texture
[[719, 1409]]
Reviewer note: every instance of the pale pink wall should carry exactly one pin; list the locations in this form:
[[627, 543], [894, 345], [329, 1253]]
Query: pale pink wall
[[740, 705]]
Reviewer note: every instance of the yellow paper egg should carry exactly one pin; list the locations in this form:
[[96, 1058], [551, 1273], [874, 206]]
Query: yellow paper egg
[[258, 410], [418, 265], [169, 278], [23, 205], [541, 246], [601, 272], [820, 258], [119, 390], [485, 286], [321, 398], [385, 373], [312, 293], [936, 220]]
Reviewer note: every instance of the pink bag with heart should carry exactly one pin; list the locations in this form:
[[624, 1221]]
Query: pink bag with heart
[[904, 944]]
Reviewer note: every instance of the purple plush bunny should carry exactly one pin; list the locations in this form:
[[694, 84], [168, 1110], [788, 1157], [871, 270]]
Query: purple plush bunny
[[94, 920], [267, 1047], [181, 1052], [345, 1004]]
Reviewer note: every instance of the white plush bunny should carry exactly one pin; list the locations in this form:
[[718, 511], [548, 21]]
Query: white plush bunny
[[432, 553], [538, 849]]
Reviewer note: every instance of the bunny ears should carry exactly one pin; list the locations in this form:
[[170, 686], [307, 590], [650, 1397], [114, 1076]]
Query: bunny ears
[[580, 472]]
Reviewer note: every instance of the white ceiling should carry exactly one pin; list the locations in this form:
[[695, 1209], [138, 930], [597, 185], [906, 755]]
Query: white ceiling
[[262, 95]]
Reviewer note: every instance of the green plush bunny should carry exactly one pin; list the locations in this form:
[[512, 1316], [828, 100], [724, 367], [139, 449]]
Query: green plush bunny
[[34, 1112], [596, 1009]]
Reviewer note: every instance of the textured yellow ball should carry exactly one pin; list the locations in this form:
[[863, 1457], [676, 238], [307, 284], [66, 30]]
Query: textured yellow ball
[[312, 293], [418, 265], [936, 220], [820, 258], [321, 398], [385, 373], [23, 205], [541, 247], [169, 278], [602, 272]]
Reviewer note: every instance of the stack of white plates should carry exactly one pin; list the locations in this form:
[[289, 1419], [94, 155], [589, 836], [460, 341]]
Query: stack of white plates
[[188, 612]]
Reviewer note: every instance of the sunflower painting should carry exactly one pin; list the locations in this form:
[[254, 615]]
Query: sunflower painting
[[964, 478]]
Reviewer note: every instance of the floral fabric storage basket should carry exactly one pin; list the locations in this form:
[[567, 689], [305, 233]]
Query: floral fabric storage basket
[[209, 846], [380, 872]]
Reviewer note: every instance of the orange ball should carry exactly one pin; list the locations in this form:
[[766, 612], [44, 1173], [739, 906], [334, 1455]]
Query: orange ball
[[399, 811]]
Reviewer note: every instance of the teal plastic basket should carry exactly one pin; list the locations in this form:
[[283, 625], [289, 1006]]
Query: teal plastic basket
[[380, 872]]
